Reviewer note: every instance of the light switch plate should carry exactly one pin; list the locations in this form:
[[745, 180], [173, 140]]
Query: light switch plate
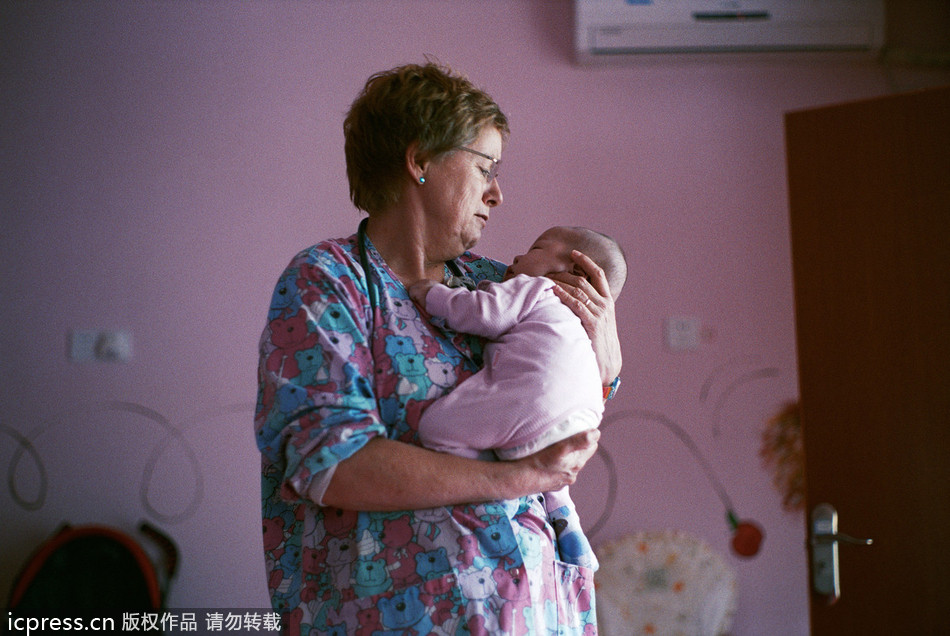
[[100, 345], [682, 332]]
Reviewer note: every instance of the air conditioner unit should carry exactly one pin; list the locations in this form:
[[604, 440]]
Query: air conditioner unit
[[605, 28]]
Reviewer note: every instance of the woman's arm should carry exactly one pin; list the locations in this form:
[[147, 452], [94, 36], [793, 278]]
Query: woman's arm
[[590, 299], [387, 475]]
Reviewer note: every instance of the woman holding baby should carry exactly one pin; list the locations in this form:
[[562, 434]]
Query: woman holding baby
[[364, 528]]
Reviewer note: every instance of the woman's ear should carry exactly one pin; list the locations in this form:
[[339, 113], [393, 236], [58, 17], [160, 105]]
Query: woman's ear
[[416, 163]]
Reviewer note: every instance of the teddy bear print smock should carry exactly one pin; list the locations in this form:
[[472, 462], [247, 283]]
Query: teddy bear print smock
[[334, 374]]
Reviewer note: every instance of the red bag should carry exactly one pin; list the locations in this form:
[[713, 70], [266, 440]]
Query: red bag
[[95, 567]]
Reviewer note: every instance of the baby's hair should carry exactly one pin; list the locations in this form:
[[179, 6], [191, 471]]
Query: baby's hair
[[605, 251]]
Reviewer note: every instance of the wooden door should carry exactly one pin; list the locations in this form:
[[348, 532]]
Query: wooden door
[[869, 192]]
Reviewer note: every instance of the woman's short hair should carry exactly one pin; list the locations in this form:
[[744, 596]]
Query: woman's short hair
[[428, 104]]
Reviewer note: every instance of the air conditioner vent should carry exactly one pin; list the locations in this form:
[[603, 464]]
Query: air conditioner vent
[[606, 28]]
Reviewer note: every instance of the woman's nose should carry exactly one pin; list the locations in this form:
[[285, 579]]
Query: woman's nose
[[493, 196]]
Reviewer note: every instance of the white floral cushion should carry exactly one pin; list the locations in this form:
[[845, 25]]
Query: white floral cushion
[[664, 583]]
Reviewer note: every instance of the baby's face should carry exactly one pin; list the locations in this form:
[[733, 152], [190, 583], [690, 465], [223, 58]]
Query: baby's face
[[549, 254]]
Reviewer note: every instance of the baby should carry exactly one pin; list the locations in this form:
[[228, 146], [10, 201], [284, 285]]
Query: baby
[[540, 383]]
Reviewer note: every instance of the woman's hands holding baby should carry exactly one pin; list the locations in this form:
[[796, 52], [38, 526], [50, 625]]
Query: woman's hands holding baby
[[587, 294], [559, 464]]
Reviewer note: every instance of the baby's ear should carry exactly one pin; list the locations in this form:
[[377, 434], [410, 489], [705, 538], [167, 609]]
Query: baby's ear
[[577, 271]]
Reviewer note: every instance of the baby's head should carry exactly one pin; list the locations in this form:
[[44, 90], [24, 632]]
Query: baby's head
[[551, 254]]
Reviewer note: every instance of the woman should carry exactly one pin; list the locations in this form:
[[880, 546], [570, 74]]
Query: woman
[[365, 530]]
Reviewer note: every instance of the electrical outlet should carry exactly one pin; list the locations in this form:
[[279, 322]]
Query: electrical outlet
[[100, 345], [682, 332]]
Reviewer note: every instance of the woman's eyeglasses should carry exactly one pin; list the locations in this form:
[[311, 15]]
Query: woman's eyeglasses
[[492, 173]]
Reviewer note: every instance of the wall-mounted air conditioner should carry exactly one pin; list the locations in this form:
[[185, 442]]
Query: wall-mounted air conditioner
[[605, 28]]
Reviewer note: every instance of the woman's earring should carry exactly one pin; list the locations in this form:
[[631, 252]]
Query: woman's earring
[[422, 180]]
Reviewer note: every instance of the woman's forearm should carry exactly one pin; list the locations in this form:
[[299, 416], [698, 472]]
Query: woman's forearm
[[387, 475]]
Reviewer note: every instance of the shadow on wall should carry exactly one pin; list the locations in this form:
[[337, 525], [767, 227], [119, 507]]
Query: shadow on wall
[[747, 534]]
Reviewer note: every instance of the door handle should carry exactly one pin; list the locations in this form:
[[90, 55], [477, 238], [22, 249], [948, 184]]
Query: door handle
[[824, 551]]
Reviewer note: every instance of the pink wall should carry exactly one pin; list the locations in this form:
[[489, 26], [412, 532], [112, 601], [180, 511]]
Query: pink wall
[[162, 162]]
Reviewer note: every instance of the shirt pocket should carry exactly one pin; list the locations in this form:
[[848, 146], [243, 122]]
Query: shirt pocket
[[574, 590]]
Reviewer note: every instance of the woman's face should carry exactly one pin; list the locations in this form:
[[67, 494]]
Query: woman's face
[[458, 197]]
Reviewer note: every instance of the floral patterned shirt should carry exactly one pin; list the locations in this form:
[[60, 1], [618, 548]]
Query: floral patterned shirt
[[333, 374]]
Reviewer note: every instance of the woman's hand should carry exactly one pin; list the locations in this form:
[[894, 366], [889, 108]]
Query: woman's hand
[[419, 290], [559, 464], [588, 296]]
